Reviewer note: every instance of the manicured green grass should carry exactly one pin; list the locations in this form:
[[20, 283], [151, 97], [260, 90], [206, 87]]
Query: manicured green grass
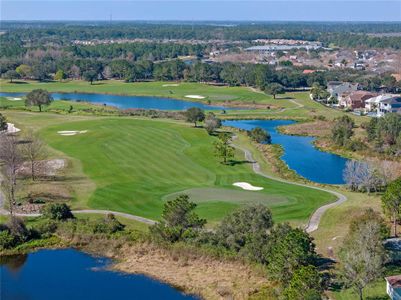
[[135, 163], [295, 105], [211, 93], [59, 106]]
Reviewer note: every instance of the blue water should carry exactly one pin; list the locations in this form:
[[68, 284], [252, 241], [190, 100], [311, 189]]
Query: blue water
[[299, 152], [69, 274], [124, 102]]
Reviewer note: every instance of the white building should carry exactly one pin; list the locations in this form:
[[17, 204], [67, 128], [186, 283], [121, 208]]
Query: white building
[[393, 287], [383, 104], [338, 88]]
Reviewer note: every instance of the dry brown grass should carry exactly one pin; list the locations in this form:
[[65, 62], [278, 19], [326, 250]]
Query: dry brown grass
[[316, 128], [192, 271]]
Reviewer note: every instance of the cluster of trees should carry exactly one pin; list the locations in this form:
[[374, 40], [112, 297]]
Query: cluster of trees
[[59, 33], [15, 231], [391, 202], [15, 151], [287, 253], [260, 135], [385, 133], [57, 219], [342, 130], [223, 147], [369, 176], [60, 65], [137, 51], [363, 255]]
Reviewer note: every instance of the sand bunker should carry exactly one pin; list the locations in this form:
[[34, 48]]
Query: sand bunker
[[14, 98], [71, 132], [171, 84], [247, 186], [11, 128], [195, 96]]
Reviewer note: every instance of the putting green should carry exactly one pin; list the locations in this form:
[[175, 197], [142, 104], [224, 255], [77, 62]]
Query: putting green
[[201, 195], [135, 164]]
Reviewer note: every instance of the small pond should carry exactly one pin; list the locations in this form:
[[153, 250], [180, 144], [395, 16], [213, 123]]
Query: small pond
[[299, 152], [71, 274], [125, 102]]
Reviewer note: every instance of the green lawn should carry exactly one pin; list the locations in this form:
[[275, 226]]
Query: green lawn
[[135, 163], [294, 105], [217, 94]]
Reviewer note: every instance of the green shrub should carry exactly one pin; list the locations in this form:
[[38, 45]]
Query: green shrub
[[17, 228], [57, 211], [45, 228], [260, 135], [7, 240], [179, 221], [355, 145], [109, 225]]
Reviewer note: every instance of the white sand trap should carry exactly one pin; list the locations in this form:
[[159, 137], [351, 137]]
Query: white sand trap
[[14, 98], [71, 132], [247, 186], [195, 96], [11, 128], [171, 84]]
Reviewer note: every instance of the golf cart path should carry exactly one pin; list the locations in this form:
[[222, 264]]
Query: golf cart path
[[314, 220], [312, 225]]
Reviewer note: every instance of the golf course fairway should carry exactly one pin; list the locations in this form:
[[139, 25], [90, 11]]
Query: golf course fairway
[[136, 164]]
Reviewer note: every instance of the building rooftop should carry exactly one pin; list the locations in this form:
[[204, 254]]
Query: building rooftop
[[361, 95], [382, 98], [394, 281], [281, 47]]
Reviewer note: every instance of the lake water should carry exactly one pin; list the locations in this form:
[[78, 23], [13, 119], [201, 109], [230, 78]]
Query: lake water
[[71, 274], [299, 152], [125, 102]]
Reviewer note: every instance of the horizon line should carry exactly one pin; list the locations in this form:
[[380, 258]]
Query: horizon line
[[198, 20]]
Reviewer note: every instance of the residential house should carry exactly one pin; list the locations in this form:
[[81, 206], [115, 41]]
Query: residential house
[[393, 287], [382, 104], [338, 88], [355, 99]]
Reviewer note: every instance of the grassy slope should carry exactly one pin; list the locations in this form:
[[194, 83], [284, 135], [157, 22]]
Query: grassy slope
[[134, 163], [128, 165]]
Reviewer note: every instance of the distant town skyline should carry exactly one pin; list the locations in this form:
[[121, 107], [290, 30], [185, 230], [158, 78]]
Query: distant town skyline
[[205, 10]]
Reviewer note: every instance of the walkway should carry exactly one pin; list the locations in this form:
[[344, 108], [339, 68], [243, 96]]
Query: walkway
[[314, 220]]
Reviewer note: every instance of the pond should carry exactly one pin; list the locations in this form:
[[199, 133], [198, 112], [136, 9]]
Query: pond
[[71, 274], [299, 152], [125, 102]]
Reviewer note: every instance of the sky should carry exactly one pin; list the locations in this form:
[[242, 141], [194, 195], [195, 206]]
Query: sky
[[197, 10]]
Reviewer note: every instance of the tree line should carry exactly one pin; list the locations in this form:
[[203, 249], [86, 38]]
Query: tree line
[[340, 34]]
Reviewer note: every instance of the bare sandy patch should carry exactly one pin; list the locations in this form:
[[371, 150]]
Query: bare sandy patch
[[195, 96], [43, 167], [71, 132], [14, 98], [247, 186], [171, 84]]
